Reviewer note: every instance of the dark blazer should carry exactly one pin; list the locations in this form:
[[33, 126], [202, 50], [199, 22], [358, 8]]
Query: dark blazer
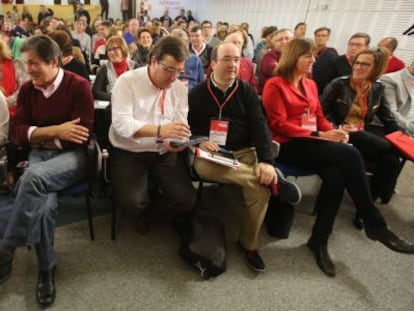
[[338, 97]]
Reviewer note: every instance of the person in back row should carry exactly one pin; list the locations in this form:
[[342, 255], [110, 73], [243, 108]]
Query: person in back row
[[280, 39], [342, 65], [297, 121], [228, 110]]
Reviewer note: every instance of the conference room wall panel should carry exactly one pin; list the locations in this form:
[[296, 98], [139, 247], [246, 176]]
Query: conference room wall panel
[[379, 18]]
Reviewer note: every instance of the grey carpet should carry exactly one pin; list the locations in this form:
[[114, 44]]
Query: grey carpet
[[143, 272]]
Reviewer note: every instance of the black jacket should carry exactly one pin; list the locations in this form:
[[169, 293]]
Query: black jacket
[[248, 125], [338, 97]]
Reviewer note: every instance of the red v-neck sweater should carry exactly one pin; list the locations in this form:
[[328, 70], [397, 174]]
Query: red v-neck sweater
[[73, 99]]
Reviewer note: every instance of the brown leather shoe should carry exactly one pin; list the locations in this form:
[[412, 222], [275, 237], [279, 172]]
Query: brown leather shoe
[[323, 260], [390, 240]]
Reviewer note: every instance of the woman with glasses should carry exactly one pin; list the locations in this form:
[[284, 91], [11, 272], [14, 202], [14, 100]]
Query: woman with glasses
[[350, 103], [118, 63], [308, 140]]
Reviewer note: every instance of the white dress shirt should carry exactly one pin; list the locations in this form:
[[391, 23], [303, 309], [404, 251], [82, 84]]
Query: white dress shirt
[[137, 102]]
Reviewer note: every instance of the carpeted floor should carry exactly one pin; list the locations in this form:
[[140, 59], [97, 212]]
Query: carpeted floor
[[143, 272]]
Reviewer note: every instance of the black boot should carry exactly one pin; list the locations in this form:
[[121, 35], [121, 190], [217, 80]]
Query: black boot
[[358, 222], [390, 239], [45, 287], [323, 260]]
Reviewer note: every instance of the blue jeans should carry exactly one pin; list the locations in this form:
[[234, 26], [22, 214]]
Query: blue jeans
[[33, 216]]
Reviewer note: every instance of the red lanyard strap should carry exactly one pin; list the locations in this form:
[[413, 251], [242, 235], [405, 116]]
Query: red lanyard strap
[[221, 105]]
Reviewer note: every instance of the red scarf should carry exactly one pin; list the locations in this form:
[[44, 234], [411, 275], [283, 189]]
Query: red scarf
[[120, 67], [8, 81]]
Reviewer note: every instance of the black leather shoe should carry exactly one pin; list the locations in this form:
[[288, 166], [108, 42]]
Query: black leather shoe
[[287, 190], [45, 287], [6, 263], [253, 259], [358, 222], [323, 260], [390, 240]]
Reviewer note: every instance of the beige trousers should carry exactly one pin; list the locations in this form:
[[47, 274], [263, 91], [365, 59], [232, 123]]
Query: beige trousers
[[256, 196]]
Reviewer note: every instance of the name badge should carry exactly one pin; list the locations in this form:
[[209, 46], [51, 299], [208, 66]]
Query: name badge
[[218, 131], [309, 122]]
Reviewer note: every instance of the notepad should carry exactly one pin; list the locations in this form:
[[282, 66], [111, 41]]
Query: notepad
[[218, 158]]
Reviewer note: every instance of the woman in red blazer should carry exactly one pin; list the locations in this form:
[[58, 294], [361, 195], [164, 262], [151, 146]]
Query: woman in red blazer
[[308, 140]]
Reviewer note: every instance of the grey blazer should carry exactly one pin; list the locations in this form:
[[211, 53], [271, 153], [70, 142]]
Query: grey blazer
[[399, 92]]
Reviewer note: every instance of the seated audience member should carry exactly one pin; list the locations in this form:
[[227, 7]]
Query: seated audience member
[[55, 116], [96, 35], [231, 103], [280, 39], [351, 103], [98, 46], [4, 119], [221, 32], [246, 71], [193, 68], [199, 47], [248, 47], [342, 65], [300, 30], [295, 116], [130, 35], [207, 30], [117, 65], [84, 39], [399, 95], [394, 63], [149, 107], [264, 45], [140, 56], [324, 56], [13, 74], [68, 61]]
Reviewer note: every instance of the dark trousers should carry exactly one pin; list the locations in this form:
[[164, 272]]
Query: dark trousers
[[129, 175], [104, 12], [340, 166], [385, 160]]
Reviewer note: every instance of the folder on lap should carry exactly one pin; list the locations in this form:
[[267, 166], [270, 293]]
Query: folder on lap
[[218, 158], [403, 142]]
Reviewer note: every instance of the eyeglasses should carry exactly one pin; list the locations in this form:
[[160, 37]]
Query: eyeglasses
[[170, 70], [358, 45], [228, 60], [114, 49], [362, 64]]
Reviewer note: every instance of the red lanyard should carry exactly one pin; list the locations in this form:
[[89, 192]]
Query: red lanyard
[[162, 102], [221, 106]]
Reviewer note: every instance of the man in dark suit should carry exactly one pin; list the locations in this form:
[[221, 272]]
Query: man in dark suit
[[342, 65]]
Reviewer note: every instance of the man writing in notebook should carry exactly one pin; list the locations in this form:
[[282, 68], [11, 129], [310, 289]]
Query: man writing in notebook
[[228, 111]]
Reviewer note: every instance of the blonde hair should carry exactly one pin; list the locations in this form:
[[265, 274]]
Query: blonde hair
[[119, 41]]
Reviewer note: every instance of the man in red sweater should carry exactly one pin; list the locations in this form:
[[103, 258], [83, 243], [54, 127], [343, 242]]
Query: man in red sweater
[[54, 116]]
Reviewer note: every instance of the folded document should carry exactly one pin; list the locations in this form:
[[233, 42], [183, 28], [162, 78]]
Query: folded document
[[218, 158]]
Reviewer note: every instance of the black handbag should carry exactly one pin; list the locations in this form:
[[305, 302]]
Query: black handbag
[[279, 218], [203, 244]]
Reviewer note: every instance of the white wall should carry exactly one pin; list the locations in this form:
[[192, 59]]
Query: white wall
[[378, 18]]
